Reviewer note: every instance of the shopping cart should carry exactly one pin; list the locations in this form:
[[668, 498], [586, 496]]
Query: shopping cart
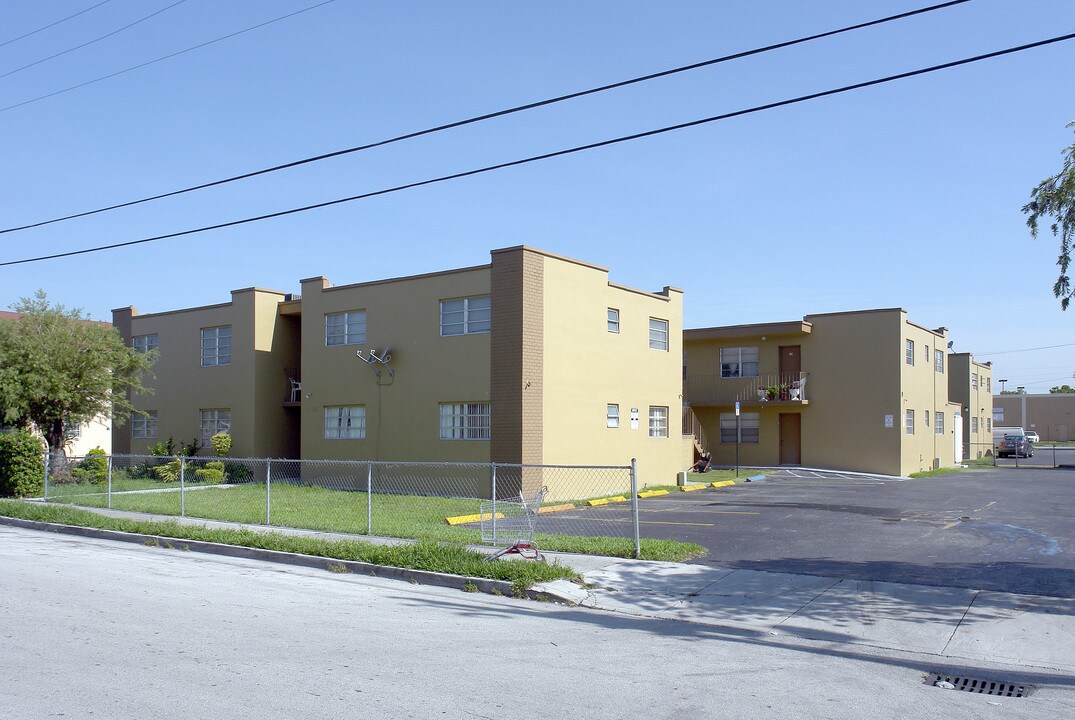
[[512, 522]]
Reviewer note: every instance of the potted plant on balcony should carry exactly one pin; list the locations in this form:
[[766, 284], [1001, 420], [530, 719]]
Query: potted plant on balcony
[[785, 391], [772, 392]]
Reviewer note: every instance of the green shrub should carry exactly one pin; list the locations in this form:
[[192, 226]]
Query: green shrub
[[215, 465], [221, 443], [237, 473], [93, 468], [168, 472], [163, 448], [209, 476], [22, 464], [191, 449]]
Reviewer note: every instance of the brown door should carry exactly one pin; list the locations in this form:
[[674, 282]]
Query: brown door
[[790, 363], [790, 439]]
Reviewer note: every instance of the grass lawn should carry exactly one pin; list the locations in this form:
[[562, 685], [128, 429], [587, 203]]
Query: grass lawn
[[316, 508]]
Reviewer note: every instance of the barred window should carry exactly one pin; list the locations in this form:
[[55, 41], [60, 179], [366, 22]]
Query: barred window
[[345, 328], [345, 422], [213, 421], [658, 421], [749, 428], [465, 421], [939, 420], [216, 346], [465, 316], [909, 422], [938, 361], [144, 424], [145, 343]]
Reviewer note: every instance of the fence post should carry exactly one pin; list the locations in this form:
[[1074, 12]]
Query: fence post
[[182, 487], [634, 506], [268, 491], [494, 503], [369, 498], [109, 482], [45, 491]]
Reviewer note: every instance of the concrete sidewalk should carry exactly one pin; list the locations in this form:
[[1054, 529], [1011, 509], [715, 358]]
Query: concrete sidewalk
[[953, 623], [956, 623]]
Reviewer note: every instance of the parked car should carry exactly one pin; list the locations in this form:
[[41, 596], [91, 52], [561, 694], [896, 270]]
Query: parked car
[[1016, 445], [1032, 436]]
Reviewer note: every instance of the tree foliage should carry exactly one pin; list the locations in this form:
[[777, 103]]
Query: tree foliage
[[1059, 389], [1053, 201], [57, 366]]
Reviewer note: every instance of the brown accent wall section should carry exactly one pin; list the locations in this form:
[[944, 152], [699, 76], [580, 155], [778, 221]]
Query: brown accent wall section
[[517, 346], [121, 434]]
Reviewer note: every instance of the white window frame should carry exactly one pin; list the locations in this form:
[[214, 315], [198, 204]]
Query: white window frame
[[749, 428], [658, 334], [989, 424], [345, 422], [988, 384], [938, 361], [908, 422], [466, 315], [658, 421], [612, 415], [974, 424], [974, 381], [212, 346], [345, 328], [145, 343], [925, 424], [736, 362], [466, 421], [144, 425], [614, 320], [938, 423], [910, 351], [212, 421]]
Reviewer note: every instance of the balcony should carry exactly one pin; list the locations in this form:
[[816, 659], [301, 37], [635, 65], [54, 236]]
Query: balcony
[[766, 389]]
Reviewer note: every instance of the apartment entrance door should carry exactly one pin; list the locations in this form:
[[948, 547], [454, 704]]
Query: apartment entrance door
[[790, 439], [790, 363]]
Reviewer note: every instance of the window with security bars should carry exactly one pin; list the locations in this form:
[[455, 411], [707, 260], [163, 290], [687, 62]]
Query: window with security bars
[[144, 424], [938, 361], [974, 424], [345, 328], [988, 384], [465, 316], [974, 380], [658, 421], [213, 421], [216, 346], [465, 421], [738, 362], [939, 420], [909, 422], [345, 422], [145, 343], [749, 428], [658, 334]]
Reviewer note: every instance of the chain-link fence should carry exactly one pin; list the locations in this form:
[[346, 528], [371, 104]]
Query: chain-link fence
[[436, 501]]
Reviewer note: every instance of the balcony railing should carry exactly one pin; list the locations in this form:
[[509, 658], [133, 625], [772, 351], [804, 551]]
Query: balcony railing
[[766, 388]]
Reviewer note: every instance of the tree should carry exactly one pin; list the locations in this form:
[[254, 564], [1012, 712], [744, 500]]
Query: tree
[[1054, 197], [57, 367], [1013, 392], [1061, 389]]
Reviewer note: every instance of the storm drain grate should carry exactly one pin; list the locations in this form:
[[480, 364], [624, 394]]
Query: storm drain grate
[[977, 685]]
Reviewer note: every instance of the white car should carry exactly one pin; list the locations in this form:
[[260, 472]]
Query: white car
[[1032, 436]]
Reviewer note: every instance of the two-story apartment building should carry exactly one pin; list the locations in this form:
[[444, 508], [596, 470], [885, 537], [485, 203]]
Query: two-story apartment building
[[532, 358], [970, 386], [864, 391]]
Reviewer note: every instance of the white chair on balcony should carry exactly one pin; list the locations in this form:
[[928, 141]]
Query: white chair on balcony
[[797, 388]]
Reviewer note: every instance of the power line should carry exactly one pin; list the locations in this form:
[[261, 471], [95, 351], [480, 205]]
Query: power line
[[164, 57], [1009, 352], [489, 116], [557, 153], [54, 24], [95, 40]]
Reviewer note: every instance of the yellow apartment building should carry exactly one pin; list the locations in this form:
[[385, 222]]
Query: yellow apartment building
[[970, 386], [863, 391], [533, 358]]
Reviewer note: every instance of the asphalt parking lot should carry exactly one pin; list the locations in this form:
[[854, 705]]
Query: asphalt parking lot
[[1006, 529]]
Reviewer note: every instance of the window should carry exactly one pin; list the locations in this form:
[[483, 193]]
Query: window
[[658, 422], [71, 431], [345, 422], [974, 424], [998, 414], [909, 420], [464, 421], [938, 361], [749, 428], [739, 362], [213, 422], [989, 384], [612, 416], [926, 418], [989, 424], [345, 328], [144, 424], [938, 423], [144, 343], [927, 355], [465, 316], [216, 346], [613, 320], [658, 334], [974, 380], [910, 352]]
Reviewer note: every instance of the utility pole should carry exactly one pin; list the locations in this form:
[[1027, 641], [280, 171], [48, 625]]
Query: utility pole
[[1002, 386]]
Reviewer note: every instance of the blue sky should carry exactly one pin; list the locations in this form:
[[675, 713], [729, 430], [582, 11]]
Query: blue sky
[[907, 194]]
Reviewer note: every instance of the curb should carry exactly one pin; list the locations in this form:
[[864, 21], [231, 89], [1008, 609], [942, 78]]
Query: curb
[[722, 483], [606, 501], [416, 577]]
